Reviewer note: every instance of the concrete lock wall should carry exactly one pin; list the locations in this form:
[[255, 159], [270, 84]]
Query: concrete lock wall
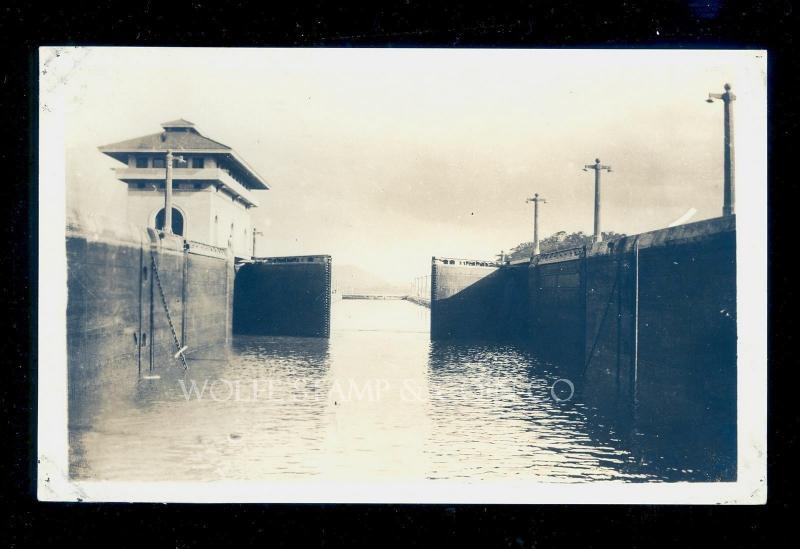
[[117, 327], [477, 299], [288, 296], [209, 303], [661, 321], [676, 331], [647, 323], [661, 338], [557, 304]]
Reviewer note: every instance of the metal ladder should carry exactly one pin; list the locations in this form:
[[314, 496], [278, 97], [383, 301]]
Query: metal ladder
[[169, 317]]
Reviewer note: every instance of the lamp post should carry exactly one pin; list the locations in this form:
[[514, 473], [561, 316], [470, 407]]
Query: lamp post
[[255, 232], [597, 167], [535, 201], [168, 195], [728, 199], [168, 191]]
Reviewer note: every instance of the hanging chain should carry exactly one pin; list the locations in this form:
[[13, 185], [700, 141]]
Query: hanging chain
[[166, 309]]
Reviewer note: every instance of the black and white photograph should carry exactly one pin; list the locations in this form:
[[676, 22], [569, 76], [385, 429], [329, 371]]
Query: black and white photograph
[[411, 275]]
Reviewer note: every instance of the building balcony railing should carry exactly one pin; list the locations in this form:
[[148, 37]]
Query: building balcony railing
[[218, 175]]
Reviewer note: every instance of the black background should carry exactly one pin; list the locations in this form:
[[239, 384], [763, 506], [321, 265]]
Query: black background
[[665, 24]]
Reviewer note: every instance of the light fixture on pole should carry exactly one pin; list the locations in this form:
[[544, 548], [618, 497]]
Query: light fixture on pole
[[168, 191], [255, 232], [597, 167], [535, 201], [728, 199]]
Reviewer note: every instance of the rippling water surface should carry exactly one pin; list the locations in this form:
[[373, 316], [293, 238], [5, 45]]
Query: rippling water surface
[[377, 400]]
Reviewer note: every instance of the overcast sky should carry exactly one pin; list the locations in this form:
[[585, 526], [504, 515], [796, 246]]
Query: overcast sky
[[384, 158]]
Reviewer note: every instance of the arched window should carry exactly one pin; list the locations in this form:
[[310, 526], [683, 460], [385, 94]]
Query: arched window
[[177, 221]]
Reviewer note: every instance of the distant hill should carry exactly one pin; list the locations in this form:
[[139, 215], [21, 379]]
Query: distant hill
[[350, 279]]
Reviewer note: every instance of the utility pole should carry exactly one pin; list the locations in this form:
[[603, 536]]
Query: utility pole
[[597, 167], [728, 200], [168, 192], [168, 195], [536, 201], [255, 232]]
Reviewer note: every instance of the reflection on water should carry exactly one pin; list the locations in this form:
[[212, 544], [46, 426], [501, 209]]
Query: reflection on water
[[377, 400]]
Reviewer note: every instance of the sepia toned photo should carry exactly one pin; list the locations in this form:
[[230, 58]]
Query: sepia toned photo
[[402, 275]]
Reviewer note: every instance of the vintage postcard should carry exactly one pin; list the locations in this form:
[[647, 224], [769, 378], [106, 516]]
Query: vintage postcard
[[402, 275]]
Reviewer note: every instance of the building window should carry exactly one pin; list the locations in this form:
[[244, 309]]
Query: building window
[[198, 185], [140, 185], [178, 163], [141, 161], [177, 221], [198, 162], [159, 163]]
